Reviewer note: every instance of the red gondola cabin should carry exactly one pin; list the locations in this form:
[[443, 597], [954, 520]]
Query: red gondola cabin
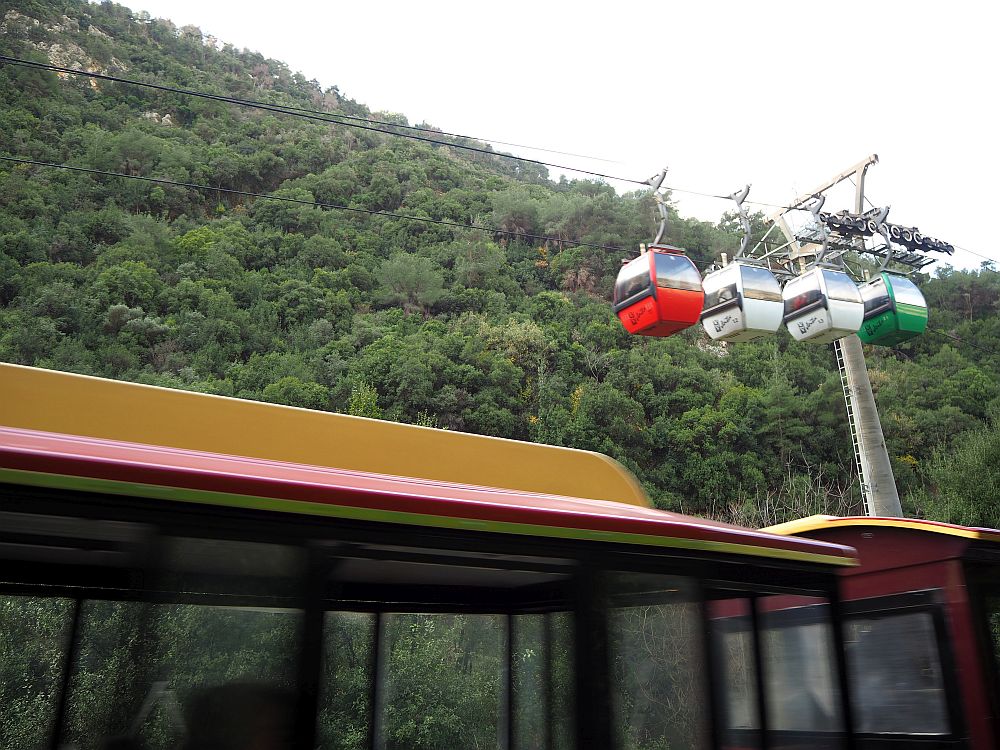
[[659, 293]]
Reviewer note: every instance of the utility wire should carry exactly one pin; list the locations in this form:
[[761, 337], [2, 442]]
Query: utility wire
[[318, 204], [329, 118]]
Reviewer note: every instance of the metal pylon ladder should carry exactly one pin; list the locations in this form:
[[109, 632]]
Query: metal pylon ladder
[[866, 490]]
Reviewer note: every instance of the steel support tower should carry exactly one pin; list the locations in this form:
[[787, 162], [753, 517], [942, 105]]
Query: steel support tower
[[878, 485]]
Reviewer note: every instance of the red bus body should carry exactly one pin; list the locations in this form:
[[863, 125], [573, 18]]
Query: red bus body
[[951, 573]]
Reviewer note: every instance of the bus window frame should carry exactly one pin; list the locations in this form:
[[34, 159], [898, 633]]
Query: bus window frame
[[765, 735], [981, 584], [932, 602]]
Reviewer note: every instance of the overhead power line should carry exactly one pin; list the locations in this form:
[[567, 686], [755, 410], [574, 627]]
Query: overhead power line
[[300, 201]]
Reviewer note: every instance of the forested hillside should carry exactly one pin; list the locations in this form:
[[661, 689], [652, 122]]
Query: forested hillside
[[424, 323]]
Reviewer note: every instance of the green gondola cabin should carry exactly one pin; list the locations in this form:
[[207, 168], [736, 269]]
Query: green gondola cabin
[[895, 310]]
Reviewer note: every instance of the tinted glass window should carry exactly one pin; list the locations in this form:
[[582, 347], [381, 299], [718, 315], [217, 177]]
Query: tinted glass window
[[759, 283], [839, 286], [543, 689], [33, 641], [170, 674], [345, 707], [676, 272], [993, 623], [721, 295], [736, 671], [657, 674], [906, 292], [443, 681], [633, 278], [800, 668], [876, 297], [895, 674], [800, 293]]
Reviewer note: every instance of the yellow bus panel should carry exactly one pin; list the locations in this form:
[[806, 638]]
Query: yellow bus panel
[[50, 401]]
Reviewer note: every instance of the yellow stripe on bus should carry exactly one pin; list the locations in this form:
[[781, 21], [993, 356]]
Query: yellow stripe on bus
[[820, 522], [50, 401]]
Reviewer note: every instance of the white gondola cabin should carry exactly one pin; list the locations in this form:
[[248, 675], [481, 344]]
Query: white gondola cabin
[[822, 305], [742, 303]]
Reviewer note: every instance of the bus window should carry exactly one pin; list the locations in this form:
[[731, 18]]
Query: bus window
[[800, 673], [543, 689], [657, 677], [345, 709], [172, 673], [442, 684], [33, 645], [732, 637], [895, 674], [185, 663]]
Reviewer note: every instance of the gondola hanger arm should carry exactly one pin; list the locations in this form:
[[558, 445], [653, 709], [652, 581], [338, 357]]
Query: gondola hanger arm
[[739, 196], [814, 208], [656, 183]]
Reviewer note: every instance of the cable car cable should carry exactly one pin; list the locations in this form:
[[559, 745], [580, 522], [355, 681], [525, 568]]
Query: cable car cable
[[963, 341], [372, 120], [318, 204], [331, 118], [327, 118]]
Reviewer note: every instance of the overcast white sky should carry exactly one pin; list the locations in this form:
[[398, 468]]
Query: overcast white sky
[[782, 95]]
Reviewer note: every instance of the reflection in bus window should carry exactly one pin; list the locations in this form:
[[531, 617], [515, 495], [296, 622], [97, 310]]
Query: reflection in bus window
[[240, 715], [992, 613], [895, 674], [736, 671], [346, 685], [177, 652], [543, 682], [442, 686], [800, 668], [657, 681], [33, 640]]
